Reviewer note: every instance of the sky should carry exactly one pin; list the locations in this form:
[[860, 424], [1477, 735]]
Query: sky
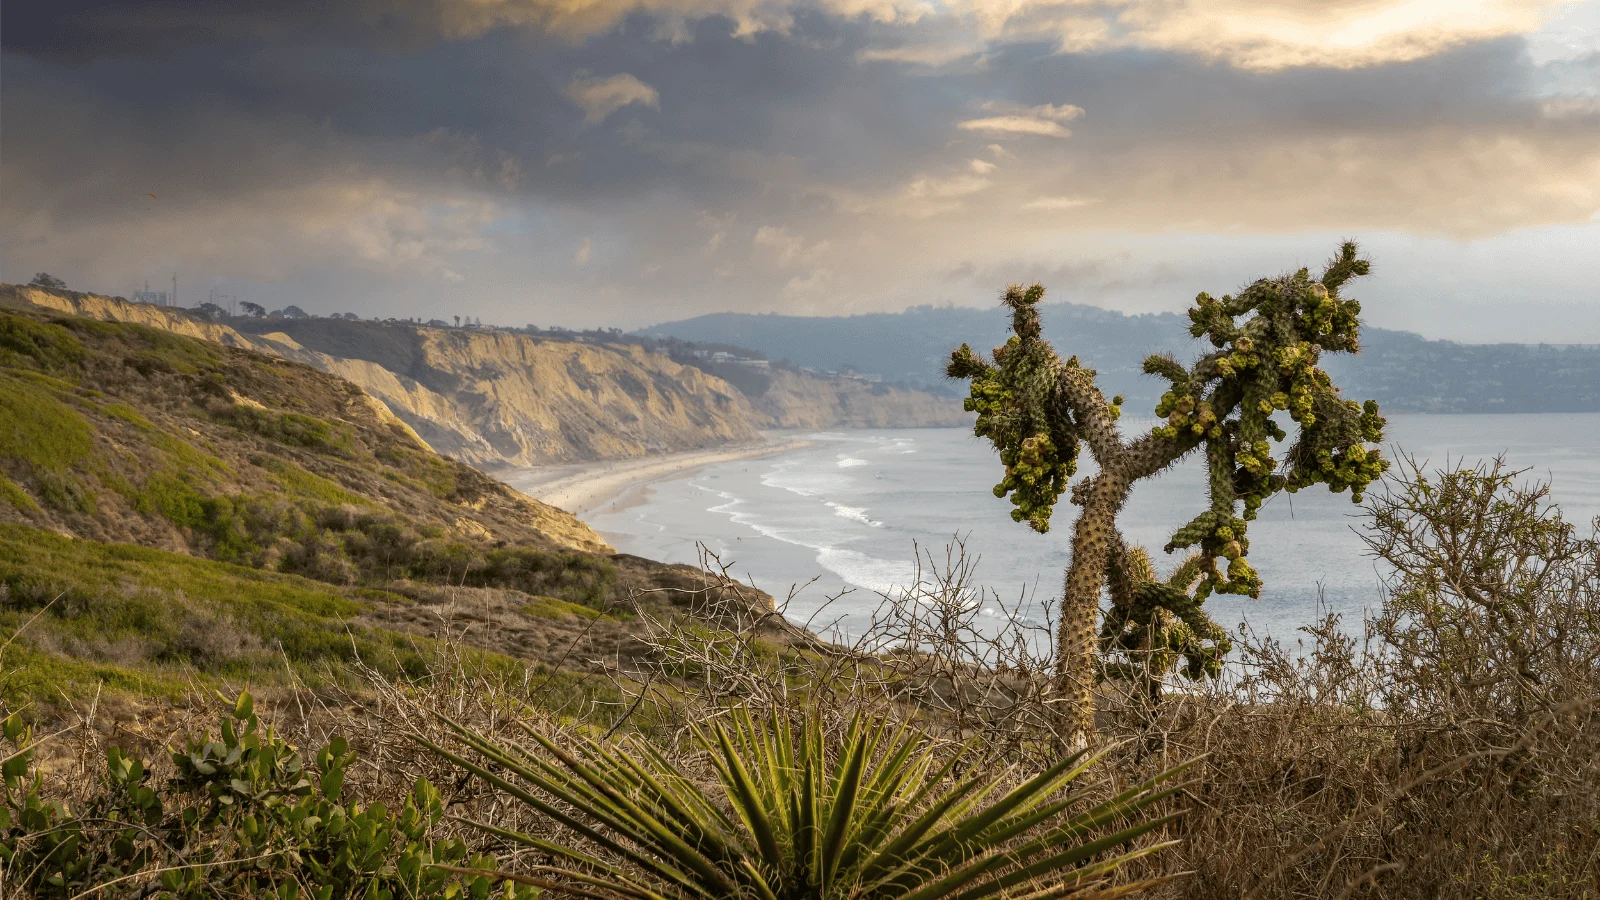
[[622, 163]]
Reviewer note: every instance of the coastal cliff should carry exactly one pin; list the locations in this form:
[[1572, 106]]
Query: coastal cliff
[[494, 398], [797, 400]]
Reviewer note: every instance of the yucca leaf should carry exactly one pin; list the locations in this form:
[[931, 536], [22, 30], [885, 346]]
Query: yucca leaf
[[601, 804], [805, 838], [844, 804], [609, 876], [670, 792], [748, 804], [644, 861], [902, 856], [893, 774], [1065, 859], [1033, 791], [559, 888], [757, 880], [550, 847], [691, 795], [1128, 802]]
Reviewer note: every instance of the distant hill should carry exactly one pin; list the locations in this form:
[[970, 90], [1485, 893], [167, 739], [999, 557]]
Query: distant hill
[[1401, 370]]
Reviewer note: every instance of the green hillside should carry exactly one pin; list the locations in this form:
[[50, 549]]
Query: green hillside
[[175, 512]]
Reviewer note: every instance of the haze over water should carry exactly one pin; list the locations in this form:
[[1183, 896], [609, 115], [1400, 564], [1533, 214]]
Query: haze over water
[[849, 510]]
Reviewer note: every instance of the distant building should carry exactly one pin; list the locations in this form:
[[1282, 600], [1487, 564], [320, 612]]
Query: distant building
[[154, 298], [723, 356]]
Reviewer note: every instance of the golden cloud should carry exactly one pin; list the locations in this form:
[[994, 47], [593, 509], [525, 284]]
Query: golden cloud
[[1264, 34], [600, 97], [1043, 121]]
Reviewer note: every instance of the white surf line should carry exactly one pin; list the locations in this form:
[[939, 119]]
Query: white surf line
[[592, 485]]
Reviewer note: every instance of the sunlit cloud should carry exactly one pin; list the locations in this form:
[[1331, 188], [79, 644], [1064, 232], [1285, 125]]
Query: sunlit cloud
[[1043, 121], [1265, 34], [1060, 203], [600, 97]]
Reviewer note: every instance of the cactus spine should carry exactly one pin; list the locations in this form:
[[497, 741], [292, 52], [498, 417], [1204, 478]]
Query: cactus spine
[[1038, 410]]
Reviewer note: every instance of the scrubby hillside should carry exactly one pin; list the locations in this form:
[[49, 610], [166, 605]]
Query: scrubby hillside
[[496, 398], [125, 433], [173, 509], [488, 398]]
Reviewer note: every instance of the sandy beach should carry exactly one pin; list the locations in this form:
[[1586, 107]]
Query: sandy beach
[[583, 487]]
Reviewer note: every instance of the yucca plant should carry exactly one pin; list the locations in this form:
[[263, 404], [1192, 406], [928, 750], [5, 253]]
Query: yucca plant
[[880, 817]]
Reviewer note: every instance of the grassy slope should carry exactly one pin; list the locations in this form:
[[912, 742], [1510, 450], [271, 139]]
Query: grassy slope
[[177, 513]]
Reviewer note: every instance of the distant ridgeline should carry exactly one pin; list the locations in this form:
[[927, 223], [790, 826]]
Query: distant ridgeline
[[492, 396], [1401, 370]]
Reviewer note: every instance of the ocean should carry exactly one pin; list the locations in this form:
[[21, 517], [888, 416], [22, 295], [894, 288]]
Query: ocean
[[833, 525]]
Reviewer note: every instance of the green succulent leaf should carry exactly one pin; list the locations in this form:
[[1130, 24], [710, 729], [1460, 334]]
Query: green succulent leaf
[[873, 814]]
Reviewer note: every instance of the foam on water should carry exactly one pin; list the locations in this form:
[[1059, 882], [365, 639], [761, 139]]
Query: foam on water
[[804, 515], [856, 513], [870, 572], [852, 566]]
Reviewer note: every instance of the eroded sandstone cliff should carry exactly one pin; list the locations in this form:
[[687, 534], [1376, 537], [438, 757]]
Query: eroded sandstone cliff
[[493, 398], [797, 400], [489, 398]]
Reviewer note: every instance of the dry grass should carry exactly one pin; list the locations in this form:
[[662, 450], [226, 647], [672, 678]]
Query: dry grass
[[1450, 751]]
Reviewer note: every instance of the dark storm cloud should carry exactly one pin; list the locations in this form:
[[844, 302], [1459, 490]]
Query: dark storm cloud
[[408, 151], [799, 96]]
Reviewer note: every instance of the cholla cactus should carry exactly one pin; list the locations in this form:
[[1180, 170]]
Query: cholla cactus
[[1038, 410]]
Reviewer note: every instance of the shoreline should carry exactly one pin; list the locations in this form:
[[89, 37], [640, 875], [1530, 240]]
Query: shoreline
[[580, 488]]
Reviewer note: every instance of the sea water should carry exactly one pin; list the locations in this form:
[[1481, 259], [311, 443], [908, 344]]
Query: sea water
[[840, 522]]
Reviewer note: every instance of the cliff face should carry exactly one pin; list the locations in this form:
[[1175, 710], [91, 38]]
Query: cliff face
[[116, 432], [497, 398], [795, 400], [486, 397], [500, 398]]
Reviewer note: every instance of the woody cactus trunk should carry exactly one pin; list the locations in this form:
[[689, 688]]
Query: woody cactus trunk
[[1038, 410]]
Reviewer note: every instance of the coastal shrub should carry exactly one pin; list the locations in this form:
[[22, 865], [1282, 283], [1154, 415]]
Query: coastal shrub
[[26, 342], [138, 608], [418, 469], [808, 813], [576, 577], [242, 814], [294, 429], [306, 485], [39, 428], [16, 496]]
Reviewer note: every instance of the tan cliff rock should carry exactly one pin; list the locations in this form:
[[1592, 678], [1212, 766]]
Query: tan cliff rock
[[796, 400], [498, 398], [489, 398]]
